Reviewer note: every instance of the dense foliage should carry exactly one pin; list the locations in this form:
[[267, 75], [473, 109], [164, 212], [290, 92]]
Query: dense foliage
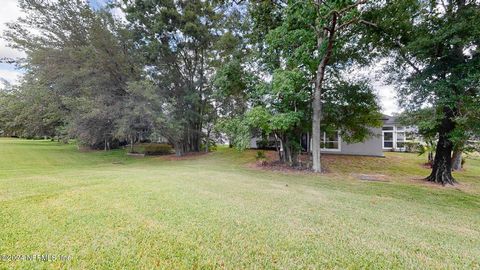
[[434, 48], [291, 49], [184, 43], [194, 72], [78, 66]]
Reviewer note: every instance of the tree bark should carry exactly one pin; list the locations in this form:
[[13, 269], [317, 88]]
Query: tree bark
[[442, 165], [457, 160], [292, 155], [316, 118], [317, 95], [281, 151], [178, 149], [207, 144], [289, 153], [131, 144], [430, 158], [277, 147]]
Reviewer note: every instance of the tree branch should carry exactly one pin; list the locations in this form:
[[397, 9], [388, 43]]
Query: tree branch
[[368, 23], [349, 7], [7, 60]]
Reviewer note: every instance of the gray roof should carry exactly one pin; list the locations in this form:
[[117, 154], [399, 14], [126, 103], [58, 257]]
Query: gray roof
[[389, 120]]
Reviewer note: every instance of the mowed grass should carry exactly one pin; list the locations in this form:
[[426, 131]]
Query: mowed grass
[[109, 211]]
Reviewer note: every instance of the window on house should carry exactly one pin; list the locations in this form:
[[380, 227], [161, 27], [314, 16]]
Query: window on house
[[330, 141], [394, 137], [388, 132], [388, 139]]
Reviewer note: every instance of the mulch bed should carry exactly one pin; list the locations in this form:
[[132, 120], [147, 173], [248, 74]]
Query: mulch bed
[[279, 167], [273, 164]]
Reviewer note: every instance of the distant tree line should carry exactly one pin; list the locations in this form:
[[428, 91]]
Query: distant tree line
[[191, 71]]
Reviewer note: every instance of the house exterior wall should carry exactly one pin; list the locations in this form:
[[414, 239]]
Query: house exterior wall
[[253, 142], [372, 146]]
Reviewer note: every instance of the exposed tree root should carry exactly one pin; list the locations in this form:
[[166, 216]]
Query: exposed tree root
[[442, 177]]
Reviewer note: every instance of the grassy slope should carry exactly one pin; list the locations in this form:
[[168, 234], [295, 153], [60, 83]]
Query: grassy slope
[[110, 212]]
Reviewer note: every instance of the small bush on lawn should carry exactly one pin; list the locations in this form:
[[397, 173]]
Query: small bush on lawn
[[260, 155], [212, 146], [157, 149], [261, 158]]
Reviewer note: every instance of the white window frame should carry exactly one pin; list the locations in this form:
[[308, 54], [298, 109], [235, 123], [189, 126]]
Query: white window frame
[[324, 135], [394, 132], [393, 137]]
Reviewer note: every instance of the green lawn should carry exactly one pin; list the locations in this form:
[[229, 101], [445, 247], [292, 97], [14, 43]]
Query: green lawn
[[109, 211]]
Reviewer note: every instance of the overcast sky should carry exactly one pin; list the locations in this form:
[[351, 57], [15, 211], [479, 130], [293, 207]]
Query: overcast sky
[[9, 11]]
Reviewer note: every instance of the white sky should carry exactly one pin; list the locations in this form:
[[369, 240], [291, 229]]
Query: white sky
[[385, 92], [9, 11], [387, 96]]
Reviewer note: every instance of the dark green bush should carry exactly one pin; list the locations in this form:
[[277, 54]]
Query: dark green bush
[[157, 149], [262, 144], [212, 145], [266, 144], [261, 155]]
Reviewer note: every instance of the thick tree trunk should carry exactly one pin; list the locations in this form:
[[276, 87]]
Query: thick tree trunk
[[178, 149], [457, 160], [442, 165], [317, 110], [317, 113], [430, 158], [322, 35]]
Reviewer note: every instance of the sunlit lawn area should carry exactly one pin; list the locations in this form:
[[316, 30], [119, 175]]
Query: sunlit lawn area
[[110, 211]]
